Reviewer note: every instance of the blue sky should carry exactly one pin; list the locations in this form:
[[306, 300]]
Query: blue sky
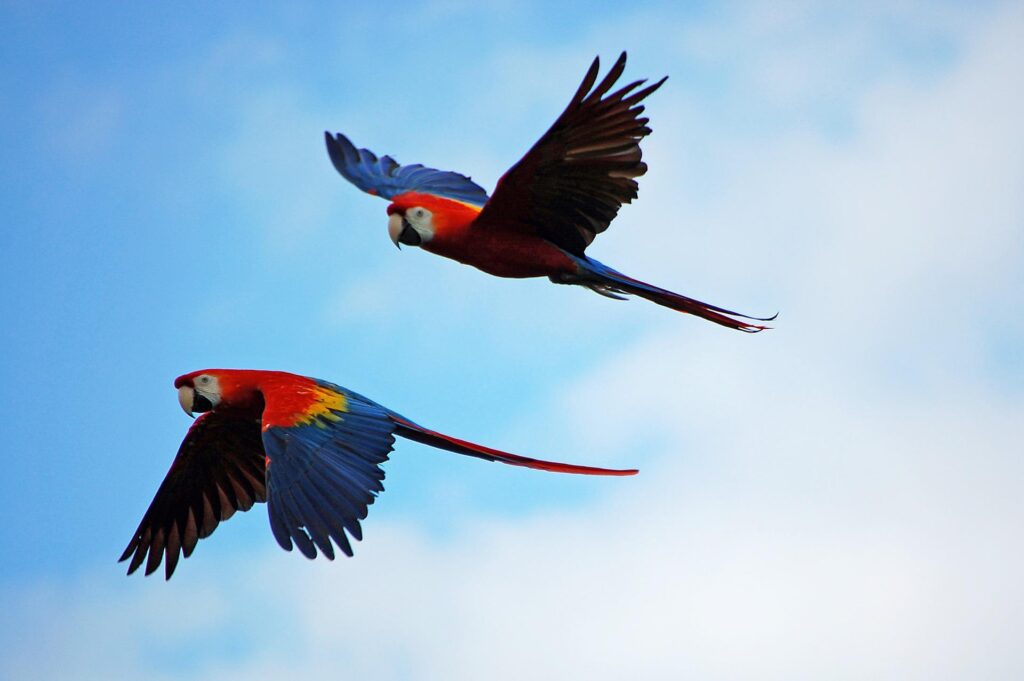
[[838, 494]]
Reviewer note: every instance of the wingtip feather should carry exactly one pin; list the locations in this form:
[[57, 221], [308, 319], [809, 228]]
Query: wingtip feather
[[588, 80], [128, 551]]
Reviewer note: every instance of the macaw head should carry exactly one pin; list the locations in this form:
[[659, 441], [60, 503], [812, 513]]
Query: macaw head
[[199, 391], [409, 222], [235, 389], [414, 218]]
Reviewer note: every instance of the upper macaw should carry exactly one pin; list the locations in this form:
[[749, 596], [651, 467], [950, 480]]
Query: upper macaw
[[545, 210], [311, 449]]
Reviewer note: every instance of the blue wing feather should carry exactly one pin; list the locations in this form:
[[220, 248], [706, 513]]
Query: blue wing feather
[[277, 525], [350, 509], [316, 525], [322, 476], [384, 176], [326, 511]]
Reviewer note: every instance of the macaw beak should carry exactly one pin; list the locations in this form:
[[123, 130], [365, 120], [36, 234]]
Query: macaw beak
[[402, 232], [192, 402]]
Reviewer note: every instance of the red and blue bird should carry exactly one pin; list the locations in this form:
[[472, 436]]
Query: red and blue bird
[[310, 449], [546, 210]]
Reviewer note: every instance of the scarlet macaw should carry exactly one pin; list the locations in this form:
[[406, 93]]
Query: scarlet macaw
[[545, 210], [311, 449]]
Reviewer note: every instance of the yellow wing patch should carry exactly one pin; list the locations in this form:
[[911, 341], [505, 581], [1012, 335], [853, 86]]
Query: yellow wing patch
[[322, 407]]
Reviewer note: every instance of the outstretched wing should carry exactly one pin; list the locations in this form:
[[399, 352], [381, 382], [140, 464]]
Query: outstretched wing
[[324, 452], [218, 470], [384, 177], [571, 184]]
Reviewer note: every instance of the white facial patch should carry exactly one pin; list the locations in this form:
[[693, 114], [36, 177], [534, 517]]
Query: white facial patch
[[208, 387], [422, 220]]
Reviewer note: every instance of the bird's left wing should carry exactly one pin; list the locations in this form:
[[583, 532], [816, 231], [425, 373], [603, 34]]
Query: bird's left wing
[[384, 177], [218, 470], [324, 448]]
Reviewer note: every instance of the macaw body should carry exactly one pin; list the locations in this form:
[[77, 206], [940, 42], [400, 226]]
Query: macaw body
[[503, 251], [310, 449], [546, 210]]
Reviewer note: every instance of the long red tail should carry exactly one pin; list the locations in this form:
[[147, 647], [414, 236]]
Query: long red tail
[[681, 303], [613, 282], [410, 430]]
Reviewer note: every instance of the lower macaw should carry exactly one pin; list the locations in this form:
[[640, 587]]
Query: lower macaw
[[545, 210], [311, 449]]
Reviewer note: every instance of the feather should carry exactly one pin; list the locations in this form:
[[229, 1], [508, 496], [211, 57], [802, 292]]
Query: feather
[[570, 185]]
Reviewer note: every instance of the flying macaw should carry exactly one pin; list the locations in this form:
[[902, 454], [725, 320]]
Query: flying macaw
[[545, 210], [311, 449]]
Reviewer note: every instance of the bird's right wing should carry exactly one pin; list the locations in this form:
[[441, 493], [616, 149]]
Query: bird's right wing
[[218, 470]]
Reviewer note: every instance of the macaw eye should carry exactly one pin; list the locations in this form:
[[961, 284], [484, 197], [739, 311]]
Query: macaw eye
[[419, 213], [203, 380]]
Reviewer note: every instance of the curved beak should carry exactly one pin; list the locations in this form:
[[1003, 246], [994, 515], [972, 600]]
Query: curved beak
[[402, 232], [192, 402], [395, 227], [186, 396]]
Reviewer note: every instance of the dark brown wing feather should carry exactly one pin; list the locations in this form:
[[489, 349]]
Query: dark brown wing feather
[[219, 469], [570, 185]]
